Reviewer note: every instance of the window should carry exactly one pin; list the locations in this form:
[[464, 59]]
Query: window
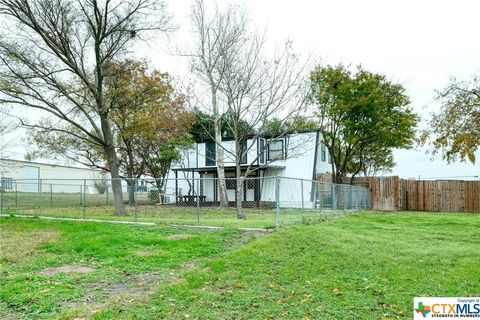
[[231, 183], [243, 160], [323, 152], [6, 183], [275, 150], [261, 149], [250, 183], [210, 155], [329, 158]]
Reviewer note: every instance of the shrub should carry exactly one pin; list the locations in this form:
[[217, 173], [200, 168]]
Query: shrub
[[153, 196], [101, 185]]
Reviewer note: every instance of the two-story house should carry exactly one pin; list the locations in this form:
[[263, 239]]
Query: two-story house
[[299, 155]]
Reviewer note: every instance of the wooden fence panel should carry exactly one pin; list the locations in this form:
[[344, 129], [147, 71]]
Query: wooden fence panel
[[392, 193]]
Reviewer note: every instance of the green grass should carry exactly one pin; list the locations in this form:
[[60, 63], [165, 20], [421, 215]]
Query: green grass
[[362, 266], [119, 254], [68, 205]]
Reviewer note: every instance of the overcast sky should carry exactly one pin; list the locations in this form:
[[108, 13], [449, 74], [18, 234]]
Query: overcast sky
[[420, 44]]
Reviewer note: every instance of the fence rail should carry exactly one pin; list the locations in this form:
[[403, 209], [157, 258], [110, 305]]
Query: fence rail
[[392, 193], [265, 201]]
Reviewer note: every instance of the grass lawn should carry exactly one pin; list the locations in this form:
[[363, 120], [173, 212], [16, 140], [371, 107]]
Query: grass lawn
[[362, 266], [68, 205], [207, 216]]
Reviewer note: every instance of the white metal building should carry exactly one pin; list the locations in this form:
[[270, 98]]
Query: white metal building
[[27, 176]]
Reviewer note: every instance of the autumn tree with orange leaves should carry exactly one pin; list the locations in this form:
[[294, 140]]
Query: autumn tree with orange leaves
[[454, 131], [150, 123], [151, 119]]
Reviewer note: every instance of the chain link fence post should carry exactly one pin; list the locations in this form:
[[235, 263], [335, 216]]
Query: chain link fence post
[[135, 195], [84, 198], [319, 196], [333, 197], [197, 203], [278, 221], [39, 189], [16, 195], [51, 195], [106, 196], [303, 202], [1, 198]]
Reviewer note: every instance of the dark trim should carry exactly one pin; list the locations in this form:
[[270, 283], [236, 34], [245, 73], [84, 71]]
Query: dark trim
[[176, 184], [193, 183], [261, 151], [244, 157], [266, 136], [197, 155], [210, 154], [323, 152], [215, 186], [258, 151], [228, 169], [284, 152]]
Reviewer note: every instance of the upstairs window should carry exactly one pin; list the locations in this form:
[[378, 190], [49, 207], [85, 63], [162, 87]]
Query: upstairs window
[[243, 160], [276, 150], [261, 149], [210, 154], [323, 152]]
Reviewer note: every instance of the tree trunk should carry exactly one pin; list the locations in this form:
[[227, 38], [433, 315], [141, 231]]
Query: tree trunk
[[130, 180], [239, 193], [160, 184], [116, 184], [113, 164], [222, 192], [131, 191], [333, 172]]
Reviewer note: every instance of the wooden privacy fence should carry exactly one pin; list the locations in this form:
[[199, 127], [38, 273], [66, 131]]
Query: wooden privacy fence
[[393, 193]]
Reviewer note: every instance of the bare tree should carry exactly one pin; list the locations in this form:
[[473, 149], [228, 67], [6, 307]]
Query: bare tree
[[6, 128], [243, 85], [54, 58], [257, 89], [217, 38]]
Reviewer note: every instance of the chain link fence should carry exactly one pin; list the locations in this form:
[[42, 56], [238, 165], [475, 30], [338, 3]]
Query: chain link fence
[[263, 201]]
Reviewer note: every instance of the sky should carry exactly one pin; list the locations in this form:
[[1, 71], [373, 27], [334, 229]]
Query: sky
[[420, 44]]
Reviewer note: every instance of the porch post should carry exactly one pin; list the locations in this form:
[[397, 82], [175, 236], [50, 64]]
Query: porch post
[[201, 185], [193, 183], [176, 185]]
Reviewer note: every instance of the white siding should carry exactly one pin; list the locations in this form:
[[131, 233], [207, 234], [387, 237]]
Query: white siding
[[55, 177], [323, 166], [300, 156]]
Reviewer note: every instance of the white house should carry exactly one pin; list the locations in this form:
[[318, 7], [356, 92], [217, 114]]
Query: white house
[[295, 155], [27, 176]]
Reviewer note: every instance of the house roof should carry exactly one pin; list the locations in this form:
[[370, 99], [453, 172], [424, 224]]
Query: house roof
[[266, 136], [25, 162]]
